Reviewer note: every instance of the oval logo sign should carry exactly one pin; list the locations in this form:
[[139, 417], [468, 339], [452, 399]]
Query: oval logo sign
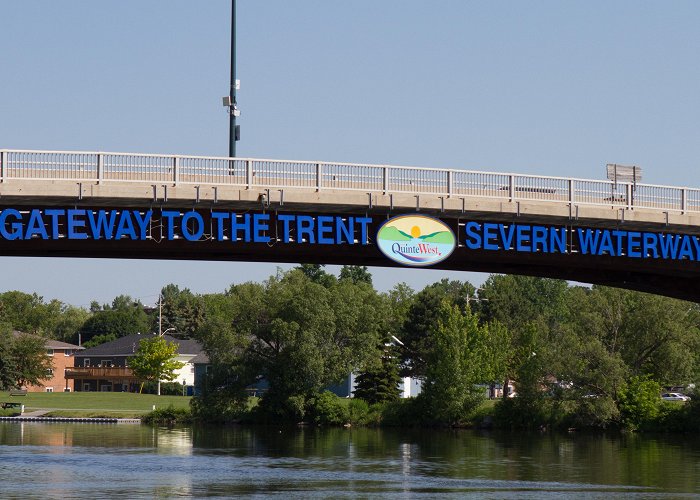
[[416, 240]]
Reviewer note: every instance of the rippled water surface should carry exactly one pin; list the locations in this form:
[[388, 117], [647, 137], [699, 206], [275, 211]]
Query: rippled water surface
[[63, 460]]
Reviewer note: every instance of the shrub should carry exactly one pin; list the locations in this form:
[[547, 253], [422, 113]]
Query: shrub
[[358, 411], [168, 416], [276, 408], [639, 403], [326, 408], [410, 412]]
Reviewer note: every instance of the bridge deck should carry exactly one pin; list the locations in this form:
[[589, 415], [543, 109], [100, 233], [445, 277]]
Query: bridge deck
[[100, 179]]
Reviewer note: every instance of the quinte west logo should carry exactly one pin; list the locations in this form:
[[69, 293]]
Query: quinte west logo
[[416, 240]]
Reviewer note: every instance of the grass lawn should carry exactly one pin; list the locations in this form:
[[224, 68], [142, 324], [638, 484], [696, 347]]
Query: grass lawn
[[91, 404]]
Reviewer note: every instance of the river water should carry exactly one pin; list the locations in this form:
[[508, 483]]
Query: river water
[[67, 460]]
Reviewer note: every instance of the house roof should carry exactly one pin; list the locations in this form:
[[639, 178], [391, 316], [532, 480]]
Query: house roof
[[200, 359], [127, 346], [51, 343], [56, 344]]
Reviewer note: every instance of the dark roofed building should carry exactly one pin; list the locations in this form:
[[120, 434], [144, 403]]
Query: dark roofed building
[[106, 367]]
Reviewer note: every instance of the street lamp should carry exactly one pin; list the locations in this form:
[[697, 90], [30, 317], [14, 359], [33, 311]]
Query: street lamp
[[167, 330], [234, 131]]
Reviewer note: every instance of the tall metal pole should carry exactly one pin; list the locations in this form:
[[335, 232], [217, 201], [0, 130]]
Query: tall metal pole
[[232, 94]]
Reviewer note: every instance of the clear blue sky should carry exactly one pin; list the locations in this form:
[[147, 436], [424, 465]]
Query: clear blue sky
[[542, 87]]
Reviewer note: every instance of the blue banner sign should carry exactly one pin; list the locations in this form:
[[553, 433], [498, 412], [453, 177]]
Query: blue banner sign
[[412, 240], [138, 225], [586, 241]]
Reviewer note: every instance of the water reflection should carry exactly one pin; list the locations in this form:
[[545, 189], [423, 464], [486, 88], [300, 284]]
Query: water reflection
[[133, 461]]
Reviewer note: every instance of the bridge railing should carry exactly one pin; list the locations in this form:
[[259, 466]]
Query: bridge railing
[[259, 173]]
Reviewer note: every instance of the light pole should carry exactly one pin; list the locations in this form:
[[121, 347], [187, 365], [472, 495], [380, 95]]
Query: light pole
[[233, 130]]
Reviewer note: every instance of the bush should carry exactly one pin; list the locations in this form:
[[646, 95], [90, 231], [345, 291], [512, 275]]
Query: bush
[[674, 417], [408, 412], [358, 411], [219, 407], [275, 408], [592, 412], [327, 409], [168, 416], [639, 403]]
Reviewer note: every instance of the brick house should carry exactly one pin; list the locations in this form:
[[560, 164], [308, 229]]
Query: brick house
[[62, 358]]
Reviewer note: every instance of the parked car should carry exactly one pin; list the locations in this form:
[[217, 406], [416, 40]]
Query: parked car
[[674, 396]]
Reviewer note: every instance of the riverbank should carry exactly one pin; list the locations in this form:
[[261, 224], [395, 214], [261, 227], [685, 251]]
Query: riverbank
[[79, 420], [106, 405]]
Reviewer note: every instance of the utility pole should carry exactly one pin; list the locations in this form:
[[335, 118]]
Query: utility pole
[[160, 315]]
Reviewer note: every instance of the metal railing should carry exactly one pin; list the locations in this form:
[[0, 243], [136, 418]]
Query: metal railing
[[252, 173]]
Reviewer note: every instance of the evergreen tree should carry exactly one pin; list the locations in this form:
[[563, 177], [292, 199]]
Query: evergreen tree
[[379, 383]]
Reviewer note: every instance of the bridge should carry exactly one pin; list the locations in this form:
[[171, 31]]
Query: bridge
[[118, 205]]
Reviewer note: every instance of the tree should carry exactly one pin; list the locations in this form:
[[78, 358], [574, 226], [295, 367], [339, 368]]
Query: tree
[[117, 323], [317, 274], [298, 335], [356, 274], [421, 319], [154, 360], [457, 362], [68, 323], [182, 311], [532, 311], [379, 382], [23, 359], [25, 312]]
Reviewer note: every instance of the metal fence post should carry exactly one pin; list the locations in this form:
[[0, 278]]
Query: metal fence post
[[318, 177], [248, 174], [100, 168], [449, 183], [511, 187], [684, 200], [385, 181], [571, 191], [176, 170], [3, 159], [630, 201]]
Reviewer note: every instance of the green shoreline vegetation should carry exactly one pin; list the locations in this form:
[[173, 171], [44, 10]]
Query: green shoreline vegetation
[[577, 357]]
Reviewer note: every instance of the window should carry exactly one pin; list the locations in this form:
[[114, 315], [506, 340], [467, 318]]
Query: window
[[49, 372], [86, 363], [68, 352], [86, 387], [106, 363], [49, 389], [49, 352]]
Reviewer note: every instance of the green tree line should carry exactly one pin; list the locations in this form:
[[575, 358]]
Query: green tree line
[[577, 356]]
